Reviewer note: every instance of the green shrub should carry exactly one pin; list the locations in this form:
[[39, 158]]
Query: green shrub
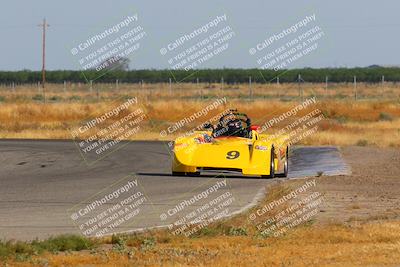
[[75, 98], [66, 242], [55, 98], [342, 119], [385, 117], [22, 251], [237, 231], [206, 231], [119, 243], [38, 97], [5, 250], [341, 96], [23, 248], [148, 243], [362, 142]]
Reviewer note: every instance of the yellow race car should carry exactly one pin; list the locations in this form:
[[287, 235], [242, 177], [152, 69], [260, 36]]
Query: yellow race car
[[232, 144]]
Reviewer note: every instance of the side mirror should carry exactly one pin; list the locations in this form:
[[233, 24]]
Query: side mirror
[[207, 125]]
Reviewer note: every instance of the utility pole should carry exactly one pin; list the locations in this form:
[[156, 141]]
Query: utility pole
[[355, 87], [44, 26], [170, 86], [326, 85]]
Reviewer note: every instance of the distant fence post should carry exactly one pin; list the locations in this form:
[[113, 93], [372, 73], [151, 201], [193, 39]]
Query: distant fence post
[[170, 86], [91, 86], [65, 86], [299, 79], [326, 85], [222, 83], [117, 84], [277, 83], [355, 87], [250, 89]]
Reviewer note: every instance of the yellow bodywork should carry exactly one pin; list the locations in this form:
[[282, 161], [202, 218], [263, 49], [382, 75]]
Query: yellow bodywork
[[251, 156]]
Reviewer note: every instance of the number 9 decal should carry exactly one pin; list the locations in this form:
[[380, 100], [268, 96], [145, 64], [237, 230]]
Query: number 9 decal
[[232, 154]]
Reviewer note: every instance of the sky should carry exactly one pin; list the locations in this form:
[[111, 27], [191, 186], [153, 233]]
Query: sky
[[354, 33]]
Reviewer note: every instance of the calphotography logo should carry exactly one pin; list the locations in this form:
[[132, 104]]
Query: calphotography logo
[[193, 213], [193, 117], [278, 216], [199, 133], [100, 136], [110, 49], [283, 49], [194, 49], [111, 209]]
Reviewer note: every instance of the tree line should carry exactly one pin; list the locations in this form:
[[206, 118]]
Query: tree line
[[369, 74]]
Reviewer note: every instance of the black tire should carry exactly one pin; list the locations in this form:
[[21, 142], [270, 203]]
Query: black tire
[[271, 166], [193, 174], [285, 167], [178, 174]]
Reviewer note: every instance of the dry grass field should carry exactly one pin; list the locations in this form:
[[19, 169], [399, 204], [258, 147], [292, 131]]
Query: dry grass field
[[372, 119], [365, 245]]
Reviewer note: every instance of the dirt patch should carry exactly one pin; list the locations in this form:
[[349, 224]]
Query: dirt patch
[[371, 192]]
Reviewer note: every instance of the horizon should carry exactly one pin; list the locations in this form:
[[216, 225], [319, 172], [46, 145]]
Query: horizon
[[350, 37], [373, 66]]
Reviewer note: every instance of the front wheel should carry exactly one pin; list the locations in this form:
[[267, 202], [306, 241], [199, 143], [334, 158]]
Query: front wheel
[[285, 166]]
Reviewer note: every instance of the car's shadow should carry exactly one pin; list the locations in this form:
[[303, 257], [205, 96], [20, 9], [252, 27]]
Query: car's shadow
[[202, 176]]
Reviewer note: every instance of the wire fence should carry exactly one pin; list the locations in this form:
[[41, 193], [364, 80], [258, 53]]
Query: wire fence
[[250, 91]]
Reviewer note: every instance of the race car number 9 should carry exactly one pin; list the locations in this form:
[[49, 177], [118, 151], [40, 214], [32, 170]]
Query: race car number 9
[[232, 155]]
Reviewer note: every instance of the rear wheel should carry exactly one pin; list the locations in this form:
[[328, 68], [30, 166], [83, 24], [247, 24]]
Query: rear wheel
[[271, 166], [285, 166], [285, 169]]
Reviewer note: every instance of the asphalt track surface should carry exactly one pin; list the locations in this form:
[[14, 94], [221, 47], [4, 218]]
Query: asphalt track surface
[[41, 181]]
